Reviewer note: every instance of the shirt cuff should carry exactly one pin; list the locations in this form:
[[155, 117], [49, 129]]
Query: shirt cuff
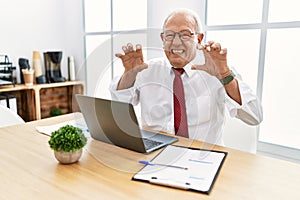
[[247, 96], [124, 95]]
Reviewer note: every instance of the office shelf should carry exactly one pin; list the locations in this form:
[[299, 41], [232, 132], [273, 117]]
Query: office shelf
[[35, 102]]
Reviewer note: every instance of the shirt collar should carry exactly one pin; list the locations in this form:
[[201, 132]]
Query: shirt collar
[[187, 68]]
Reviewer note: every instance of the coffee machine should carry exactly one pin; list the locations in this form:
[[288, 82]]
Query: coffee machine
[[52, 61]]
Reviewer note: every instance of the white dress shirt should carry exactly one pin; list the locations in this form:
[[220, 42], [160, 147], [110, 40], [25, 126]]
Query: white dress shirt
[[205, 98]]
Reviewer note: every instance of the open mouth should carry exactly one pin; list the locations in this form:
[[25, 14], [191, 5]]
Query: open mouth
[[177, 51]]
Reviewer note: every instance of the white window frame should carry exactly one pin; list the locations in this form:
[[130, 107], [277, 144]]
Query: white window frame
[[112, 32], [264, 148]]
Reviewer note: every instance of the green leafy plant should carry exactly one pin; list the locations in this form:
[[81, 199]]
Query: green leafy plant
[[67, 138], [55, 112]]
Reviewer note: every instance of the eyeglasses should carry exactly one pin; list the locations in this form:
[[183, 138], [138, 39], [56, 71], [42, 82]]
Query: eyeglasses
[[183, 35]]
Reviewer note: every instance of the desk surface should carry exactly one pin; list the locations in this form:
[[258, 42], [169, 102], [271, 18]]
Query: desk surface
[[29, 170]]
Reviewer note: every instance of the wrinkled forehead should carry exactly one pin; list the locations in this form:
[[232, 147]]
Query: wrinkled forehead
[[180, 21]]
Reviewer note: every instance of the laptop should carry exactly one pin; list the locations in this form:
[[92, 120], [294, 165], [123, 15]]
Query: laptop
[[115, 123]]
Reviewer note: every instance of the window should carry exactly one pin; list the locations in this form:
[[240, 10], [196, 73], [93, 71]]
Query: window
[[243, 53], [262, 37], [108, 24], [281, 80], [284, 11], [279, 97], [233, 12], [97, 15], [129, 14]]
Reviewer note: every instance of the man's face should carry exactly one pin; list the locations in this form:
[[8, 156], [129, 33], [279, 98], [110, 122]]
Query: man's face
[[180, 48]]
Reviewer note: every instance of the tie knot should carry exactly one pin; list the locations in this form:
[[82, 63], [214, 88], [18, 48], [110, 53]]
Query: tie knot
[[178, 71]]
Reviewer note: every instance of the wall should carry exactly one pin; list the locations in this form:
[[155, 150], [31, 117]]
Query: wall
[[45, 25], [73, 15]]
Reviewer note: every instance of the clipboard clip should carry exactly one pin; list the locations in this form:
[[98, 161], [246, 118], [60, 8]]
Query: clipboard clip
[[169, 183]]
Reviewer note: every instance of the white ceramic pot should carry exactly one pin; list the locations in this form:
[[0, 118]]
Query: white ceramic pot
[[68, 157]]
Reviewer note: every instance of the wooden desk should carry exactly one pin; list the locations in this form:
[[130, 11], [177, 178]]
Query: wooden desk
[[28, 170]]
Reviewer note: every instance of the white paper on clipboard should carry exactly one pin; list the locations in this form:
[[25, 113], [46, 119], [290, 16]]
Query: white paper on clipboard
[[202, 166]]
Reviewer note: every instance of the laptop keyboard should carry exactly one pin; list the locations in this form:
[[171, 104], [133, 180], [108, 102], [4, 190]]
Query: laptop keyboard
[[150, 143]]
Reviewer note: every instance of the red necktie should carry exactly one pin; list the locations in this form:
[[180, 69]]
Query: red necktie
[[180, 119]]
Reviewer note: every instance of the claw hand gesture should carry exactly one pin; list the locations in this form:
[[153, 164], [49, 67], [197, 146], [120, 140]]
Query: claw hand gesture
[[215, 60], [132, 59], [133, 63]]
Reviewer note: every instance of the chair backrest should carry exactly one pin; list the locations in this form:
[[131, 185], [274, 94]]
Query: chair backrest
[[8, 117]]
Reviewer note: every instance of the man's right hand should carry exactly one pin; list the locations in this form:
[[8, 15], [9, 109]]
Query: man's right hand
[[133, 63]]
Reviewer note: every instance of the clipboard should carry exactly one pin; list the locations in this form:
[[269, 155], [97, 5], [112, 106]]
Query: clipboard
[[183, 168]]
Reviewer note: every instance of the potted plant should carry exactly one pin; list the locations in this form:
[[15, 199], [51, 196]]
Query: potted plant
[[67, 143], [55, 112]]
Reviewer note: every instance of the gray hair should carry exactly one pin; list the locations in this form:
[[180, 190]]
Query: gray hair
[[188, 12]]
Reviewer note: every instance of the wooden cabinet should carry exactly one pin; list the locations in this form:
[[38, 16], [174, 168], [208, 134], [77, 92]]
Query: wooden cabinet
[[35, 102]]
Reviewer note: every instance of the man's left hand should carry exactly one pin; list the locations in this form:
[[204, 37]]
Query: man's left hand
[[215, 60]]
